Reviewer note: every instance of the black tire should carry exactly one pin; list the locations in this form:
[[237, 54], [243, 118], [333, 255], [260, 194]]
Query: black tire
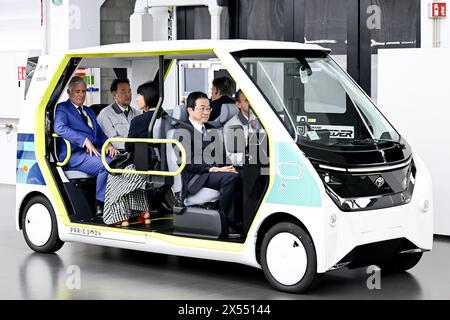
[[310, 277], [53, 243], [401, 262]]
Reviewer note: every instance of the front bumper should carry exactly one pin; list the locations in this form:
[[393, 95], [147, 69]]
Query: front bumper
[[407, 227]]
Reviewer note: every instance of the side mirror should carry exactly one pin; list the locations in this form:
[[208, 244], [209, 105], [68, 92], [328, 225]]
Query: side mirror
[[386, 136], [304, 75]]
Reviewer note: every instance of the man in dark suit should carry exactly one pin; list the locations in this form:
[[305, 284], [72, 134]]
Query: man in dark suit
[[221, 91], [202, 169], [77, 124]]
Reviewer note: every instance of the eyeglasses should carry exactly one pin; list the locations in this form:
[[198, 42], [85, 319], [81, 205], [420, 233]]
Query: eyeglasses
[[204, 109]]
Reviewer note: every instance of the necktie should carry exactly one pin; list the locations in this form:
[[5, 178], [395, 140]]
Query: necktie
[[203, 130], [126, 112], [80, 109]]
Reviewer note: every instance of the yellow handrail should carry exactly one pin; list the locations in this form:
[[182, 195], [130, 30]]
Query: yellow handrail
[[156, 173], [69, 151]]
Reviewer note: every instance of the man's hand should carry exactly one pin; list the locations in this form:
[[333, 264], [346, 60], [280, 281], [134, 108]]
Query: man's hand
[[90, 148], [229, 168], [111, 151]]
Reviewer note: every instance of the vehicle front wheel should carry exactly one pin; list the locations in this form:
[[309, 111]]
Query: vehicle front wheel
[[288, 258], [401, 262], [39, 225]]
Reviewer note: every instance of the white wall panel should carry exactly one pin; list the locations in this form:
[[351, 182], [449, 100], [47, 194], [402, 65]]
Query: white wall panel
[[20, 22], [414, 94]]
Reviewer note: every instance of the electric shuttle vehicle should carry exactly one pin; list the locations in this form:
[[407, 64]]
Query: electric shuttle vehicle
[[327, 181]]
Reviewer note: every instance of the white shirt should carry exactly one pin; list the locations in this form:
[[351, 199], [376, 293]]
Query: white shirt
[[252, 118], [87, 116], [197, 126], [238, 158], [123, 108], [85, 113]]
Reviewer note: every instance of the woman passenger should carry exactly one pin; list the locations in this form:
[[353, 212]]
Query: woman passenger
[[126, 195], [147, 100]]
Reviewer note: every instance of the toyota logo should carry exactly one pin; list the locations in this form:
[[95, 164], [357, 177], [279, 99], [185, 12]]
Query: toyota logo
[[379, 182]]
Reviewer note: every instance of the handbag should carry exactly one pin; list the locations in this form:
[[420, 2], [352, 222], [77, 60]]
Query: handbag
[[121, 160]]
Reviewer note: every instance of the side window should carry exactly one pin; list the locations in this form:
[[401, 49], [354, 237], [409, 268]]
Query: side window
[[270, 77], [31, 67], [198, 75], [333, 100]]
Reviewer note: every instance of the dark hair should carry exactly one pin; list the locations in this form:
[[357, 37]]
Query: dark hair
[[116, 82], [225, 85], [237, 95], [150, 92], [193, 97]]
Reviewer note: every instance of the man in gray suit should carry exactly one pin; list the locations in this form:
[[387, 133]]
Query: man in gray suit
[[247, 121], [115, 119]]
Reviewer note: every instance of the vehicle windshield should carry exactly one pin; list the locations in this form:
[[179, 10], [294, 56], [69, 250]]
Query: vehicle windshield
[[316, 100]]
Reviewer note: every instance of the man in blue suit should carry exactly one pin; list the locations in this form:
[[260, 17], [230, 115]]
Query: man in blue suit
[[77, 124]]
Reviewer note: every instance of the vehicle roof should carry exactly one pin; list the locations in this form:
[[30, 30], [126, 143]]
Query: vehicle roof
[[192, 45]]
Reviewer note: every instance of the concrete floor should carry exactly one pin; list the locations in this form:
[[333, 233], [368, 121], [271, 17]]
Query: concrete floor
[[109, 273]]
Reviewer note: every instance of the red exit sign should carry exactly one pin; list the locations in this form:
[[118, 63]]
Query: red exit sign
[[438, 10], [21, 73]]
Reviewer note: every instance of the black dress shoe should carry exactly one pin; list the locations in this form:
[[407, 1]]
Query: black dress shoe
[[233, 233], [178, 202], [99, 209]]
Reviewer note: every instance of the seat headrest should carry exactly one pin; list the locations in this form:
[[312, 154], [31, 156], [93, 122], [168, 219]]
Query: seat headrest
[[227, 111], [179, 113], [98, 107]]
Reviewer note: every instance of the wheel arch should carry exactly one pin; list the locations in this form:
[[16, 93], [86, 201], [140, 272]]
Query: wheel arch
[[269, 222], [24, 202]]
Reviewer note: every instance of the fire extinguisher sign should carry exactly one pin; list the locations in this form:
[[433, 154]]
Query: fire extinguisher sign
[[438, 10], [21, 73]]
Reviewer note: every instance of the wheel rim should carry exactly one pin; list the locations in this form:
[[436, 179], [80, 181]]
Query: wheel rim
[[38, 224], [286, 258]]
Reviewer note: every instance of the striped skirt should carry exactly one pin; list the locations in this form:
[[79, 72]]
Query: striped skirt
[[125, 197]]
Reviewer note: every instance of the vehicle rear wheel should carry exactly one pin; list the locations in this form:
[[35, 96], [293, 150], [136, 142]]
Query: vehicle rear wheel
[[288, 258], [401, 262], [39, 225]]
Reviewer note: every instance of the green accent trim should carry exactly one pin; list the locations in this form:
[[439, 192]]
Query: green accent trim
[[69, 151], [294, 183], [139, 53], [168, 69], [39, 130], [199, 243]]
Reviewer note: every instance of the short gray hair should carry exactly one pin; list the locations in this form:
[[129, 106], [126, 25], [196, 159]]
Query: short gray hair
[[74, 81]]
